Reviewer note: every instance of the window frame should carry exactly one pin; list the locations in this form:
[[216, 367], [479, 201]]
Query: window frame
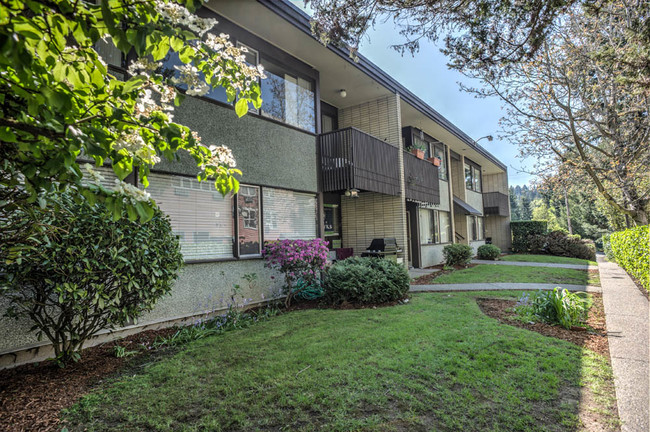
[[437, 145], [260, 223], [475, 176], [437, 228], [473, 227]]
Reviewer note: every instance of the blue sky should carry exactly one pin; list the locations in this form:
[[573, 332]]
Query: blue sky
[[426, 74]]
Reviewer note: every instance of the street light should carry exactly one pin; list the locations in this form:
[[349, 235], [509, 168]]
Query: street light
[[489, 138]]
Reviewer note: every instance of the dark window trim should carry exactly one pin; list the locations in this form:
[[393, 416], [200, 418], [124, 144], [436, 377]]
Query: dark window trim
[[477, 167], [437, 225]]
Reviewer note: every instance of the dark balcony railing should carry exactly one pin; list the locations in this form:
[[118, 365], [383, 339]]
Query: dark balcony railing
[[495, 203], [352, 159], [421, 178]]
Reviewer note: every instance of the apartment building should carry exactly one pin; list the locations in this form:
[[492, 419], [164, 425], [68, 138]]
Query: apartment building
[[326, 156]]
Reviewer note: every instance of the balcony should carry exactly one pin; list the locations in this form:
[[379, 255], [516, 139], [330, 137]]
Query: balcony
[[352, 159], [495, 203], [421, 179]]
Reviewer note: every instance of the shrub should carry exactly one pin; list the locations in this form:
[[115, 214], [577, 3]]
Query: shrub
[[366, 280], [631, 250], [488, 252], [558, 306], [522, 230], [298, 260], [85, 271], [537, 244], [559, 243], [457, 254]]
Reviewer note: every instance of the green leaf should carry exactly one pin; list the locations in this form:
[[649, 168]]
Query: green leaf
[[160, 49], [133, 83], [241, 107]]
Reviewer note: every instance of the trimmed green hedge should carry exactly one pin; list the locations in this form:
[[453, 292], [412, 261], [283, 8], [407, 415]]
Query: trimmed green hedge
[[631, 251], [522, 232]]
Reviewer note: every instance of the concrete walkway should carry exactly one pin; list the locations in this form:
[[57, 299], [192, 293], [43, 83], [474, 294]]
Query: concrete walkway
[[416, 272], [502, 286], [626, 314], [535, 264]]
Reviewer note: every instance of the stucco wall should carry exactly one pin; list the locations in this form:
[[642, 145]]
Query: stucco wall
[[474, 199], [199, 288], [267, 153], [444, 196]]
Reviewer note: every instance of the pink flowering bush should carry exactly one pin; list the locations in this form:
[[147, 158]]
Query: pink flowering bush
[[296, 259]]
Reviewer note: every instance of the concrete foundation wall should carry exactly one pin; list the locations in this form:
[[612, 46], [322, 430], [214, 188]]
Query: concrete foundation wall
[[475, 245], [432, 255]]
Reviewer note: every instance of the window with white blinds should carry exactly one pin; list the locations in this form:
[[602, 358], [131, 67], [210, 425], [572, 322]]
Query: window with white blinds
[[288, 215], [200, 216]]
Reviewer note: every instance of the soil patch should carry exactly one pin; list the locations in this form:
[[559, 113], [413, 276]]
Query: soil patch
[[594, 338], [32, 396]]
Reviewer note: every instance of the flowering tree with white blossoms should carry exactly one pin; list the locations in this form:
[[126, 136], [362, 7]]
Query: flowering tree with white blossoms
[[59, 100]]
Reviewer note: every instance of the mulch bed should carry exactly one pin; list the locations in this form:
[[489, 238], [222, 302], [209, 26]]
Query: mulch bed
[[32, 396], [594, 338], [428, 279]]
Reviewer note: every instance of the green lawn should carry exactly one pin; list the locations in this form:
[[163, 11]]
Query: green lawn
[[546, 259], [489, 273], [436, 363]]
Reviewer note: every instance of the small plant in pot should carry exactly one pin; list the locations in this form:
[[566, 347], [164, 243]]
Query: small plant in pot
[[418, 150]]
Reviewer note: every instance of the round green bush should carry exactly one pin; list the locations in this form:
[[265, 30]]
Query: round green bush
[[365, 281], [84, 271], [457, 254], [488, 252]]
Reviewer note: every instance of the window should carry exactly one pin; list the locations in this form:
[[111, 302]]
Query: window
[[199, 215], [248, 211], [168, 70], [445, 227], [440, 152], [331, 220], [435, 226], [289, 215], [472, 177], [475, 226], [287, 97]]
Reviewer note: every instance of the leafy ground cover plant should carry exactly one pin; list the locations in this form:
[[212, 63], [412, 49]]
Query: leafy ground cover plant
[[558, 306], [84, 271], [488, 252], [365, 281], [457, 254], [297, 260]]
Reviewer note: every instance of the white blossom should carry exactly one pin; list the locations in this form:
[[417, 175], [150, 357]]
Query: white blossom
[[135, 146], [131, 191], [94, 175], [189, 75], [222, 155]]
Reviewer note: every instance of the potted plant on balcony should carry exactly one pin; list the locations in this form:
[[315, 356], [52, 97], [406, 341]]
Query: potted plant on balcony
[[418, 150], [435, 160]]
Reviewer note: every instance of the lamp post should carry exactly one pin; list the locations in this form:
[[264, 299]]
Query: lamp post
[[488, 137]]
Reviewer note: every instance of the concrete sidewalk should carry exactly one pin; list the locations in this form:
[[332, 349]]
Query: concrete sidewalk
[[626, 315], [502, 286], [535, 264]]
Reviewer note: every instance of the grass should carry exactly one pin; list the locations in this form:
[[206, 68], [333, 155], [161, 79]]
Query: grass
[[546, 259], [488, 273], [436, 363]]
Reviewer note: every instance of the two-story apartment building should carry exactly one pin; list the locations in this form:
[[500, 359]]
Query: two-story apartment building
[[325, 156]]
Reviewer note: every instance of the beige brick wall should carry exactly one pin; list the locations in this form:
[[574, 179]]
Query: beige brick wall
[[371, 215], [380, 118], [375, 215]]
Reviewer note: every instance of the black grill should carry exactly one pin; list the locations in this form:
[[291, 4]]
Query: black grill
[[381, 248]]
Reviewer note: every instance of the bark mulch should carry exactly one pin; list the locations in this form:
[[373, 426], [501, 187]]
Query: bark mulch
[[594, 338], [32, 396]]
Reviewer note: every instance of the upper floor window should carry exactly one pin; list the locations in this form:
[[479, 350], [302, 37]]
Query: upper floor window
[[287, 97], [472, 177], [438, 150]]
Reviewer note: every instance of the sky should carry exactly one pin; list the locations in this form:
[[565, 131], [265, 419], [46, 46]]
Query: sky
[[426, 74]]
